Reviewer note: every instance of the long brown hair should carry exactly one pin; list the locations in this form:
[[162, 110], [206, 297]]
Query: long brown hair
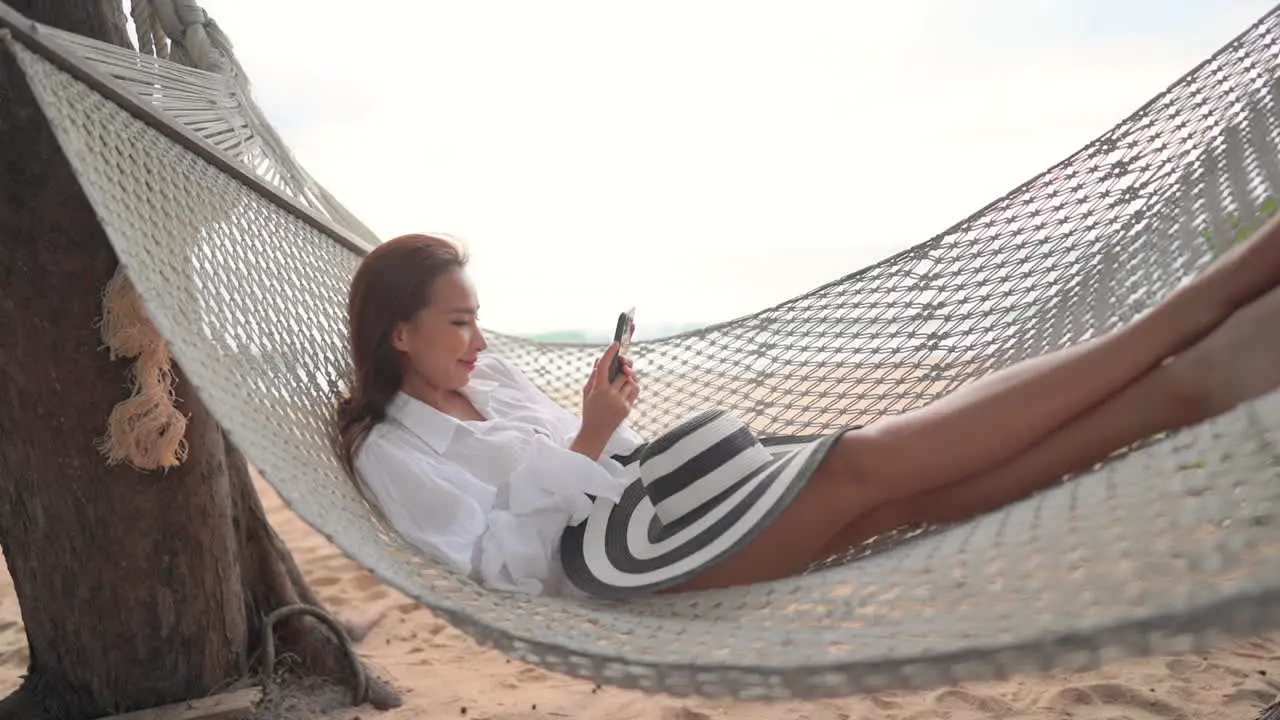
[[391, 285]]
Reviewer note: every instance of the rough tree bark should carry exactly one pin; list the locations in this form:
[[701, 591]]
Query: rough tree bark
[[136, 589]]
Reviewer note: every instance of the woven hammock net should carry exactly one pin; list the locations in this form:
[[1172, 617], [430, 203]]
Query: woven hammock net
[[1161, 549]]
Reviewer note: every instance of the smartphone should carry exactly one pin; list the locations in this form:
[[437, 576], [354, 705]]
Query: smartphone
[[622, 335]]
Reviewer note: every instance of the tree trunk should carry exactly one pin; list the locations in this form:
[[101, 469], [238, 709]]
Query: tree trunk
[[136, 589]]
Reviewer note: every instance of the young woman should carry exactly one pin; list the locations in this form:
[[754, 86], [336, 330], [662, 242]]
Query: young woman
[[473, 464]]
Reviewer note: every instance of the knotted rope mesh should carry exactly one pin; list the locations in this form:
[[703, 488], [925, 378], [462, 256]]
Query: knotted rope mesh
[[1156, 551], [1077, 251]]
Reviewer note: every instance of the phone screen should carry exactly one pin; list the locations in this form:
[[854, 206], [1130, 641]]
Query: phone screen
[[622, 333]]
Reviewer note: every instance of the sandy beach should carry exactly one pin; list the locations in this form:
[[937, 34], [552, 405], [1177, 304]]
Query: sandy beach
[[442, 673]]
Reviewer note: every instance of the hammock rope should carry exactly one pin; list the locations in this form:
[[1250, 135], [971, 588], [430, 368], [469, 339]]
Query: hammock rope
[[1162, 549]]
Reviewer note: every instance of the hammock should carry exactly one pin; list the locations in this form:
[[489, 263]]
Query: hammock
[[1160, 550]]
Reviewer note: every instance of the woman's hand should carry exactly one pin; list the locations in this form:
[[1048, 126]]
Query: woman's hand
[[605, 404]]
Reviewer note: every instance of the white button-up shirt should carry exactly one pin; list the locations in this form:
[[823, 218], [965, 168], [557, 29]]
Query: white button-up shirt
[[490, 497]]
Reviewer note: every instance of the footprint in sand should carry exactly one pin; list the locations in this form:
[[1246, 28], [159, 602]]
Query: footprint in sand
[[1181, 667], [1113, 695], [370, 586], [1257, 649], [958, 699], [884, 703], [409, 608], [1069, 697], [683, 713], [532, 674], [1255, 698], [1201, 667], [416, 656]]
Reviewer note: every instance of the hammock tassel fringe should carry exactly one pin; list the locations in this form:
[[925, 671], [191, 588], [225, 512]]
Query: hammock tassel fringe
[[146, 430]]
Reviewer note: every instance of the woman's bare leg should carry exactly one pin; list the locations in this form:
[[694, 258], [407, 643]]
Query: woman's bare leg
[[1237, 362], [983, 425]]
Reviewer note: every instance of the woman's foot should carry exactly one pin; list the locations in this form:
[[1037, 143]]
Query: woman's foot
[[1236, 362]]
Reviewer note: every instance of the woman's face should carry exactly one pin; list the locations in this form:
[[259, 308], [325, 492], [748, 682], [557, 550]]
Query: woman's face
[[441, 342]]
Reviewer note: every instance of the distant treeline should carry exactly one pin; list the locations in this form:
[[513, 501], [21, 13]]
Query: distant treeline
[[602, 337]]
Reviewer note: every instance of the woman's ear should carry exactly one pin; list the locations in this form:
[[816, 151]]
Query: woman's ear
[[399, 337]]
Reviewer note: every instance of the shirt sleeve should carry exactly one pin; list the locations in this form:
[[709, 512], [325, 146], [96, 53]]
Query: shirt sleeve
[[623, 440], [437, 505], [506, 539], [549, 492]]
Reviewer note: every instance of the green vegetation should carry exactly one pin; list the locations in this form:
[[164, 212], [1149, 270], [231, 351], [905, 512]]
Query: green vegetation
[[602, 337], [561, 336], [1240, 230]]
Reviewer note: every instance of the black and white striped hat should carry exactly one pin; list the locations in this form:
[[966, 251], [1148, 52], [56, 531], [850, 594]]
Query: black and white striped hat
[[702, 490]]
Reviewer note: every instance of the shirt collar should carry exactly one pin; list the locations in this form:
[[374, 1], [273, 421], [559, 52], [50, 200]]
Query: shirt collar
[[434, 427], [480, 392]]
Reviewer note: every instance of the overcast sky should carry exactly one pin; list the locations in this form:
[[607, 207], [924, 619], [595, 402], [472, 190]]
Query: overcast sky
[[696, 159]]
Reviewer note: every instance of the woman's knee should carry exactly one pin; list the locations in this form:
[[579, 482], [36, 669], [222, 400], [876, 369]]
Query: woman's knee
[[787, 546], [832, 498], [862, 464]]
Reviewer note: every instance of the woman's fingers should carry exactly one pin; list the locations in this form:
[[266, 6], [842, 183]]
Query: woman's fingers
[[625, 384], [629, 389], [602, 365], [620, 382]]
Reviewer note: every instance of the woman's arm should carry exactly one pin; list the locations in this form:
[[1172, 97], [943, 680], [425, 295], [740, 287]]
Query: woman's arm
[[507, 540], [438, 506], [589, 443], [584, 438]]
